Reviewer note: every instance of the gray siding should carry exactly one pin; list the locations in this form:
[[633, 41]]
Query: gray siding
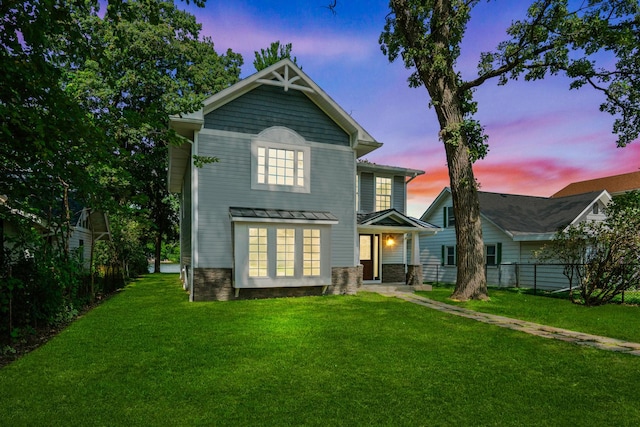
[[367, 192], [399, 193], [185, 219], [228, 183], [268, 106]]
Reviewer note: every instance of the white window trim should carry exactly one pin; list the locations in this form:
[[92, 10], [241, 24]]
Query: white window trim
[[448, 218], [495, 254], [304, 149], [375, 192], [446, 256]]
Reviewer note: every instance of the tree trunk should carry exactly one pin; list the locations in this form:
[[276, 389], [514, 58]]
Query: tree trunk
[[158, 251], [435, 67], [471, 280]]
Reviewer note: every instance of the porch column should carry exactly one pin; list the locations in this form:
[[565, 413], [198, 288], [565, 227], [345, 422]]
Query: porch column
[[414, 269], [415, 249]]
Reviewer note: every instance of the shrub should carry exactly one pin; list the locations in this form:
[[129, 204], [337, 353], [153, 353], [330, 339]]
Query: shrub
[[601, 257]]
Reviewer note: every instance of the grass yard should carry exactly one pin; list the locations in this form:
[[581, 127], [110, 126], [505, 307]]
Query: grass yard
[[149, 357], [612, 320]]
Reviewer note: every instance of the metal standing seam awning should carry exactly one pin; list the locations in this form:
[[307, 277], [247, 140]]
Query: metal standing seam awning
[[239, 214]]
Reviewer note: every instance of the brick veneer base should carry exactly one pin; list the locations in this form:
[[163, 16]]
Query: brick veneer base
[[393, 273], [215, 284]]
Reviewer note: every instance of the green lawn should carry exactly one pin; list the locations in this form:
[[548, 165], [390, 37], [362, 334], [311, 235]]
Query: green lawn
[[149, 357], [612, 320]]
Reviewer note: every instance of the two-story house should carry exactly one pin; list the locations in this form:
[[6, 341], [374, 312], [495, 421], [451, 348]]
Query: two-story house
[[277, 215]]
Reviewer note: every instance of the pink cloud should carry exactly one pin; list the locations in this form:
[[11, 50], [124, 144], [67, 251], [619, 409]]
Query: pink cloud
[[245, 32]]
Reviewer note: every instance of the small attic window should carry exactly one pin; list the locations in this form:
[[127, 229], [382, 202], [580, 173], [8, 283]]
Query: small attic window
[[596, 209]]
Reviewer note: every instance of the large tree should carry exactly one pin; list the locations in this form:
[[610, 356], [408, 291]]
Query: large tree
[[274, 53], [551, 39], [146, 60], [47, 140]]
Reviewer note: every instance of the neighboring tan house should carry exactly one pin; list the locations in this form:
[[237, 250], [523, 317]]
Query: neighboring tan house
[[277, 215], [615, 185], [513, 228]]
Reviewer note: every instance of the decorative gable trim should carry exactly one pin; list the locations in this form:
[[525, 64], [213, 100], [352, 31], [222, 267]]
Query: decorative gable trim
[[284, 81]]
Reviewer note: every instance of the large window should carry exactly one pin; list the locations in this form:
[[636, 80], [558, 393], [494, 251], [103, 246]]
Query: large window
[[311, 252], [285, 252], [258, 249], [280, 167], [383, 193]]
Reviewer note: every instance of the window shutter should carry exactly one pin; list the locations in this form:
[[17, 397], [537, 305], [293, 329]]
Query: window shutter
[[499, 254], [442, 257], [444, 216]]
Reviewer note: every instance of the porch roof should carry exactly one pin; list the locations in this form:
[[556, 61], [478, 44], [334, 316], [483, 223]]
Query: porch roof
[[393, 221]]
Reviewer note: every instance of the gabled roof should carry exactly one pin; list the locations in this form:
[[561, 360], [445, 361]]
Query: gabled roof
[[529, 217], [518, 214], [616, 184], [284, 74], [392, 220]]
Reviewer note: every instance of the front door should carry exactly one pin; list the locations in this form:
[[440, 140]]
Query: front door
[[369, 256]]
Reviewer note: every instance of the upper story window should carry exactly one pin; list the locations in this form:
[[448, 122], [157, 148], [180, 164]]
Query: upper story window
[[596, 208], [280, 161], [383, 193], [449, 217], [280, 167]]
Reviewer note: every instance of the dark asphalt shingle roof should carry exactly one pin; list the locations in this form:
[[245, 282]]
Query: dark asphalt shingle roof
[[526, 214]]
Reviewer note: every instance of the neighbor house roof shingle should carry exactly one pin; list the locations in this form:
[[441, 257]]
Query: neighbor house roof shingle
[[614, 185], [518, 214]]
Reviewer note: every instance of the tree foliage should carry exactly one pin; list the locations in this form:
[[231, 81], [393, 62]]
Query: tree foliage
[[48, 141], [274, 53], [144, 62], [601, 258], [84, 109], [551, 39]]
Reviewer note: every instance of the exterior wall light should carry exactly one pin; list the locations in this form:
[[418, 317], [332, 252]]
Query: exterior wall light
[[390, 241]]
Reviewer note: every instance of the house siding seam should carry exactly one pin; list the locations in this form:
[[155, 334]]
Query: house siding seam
[[267, 106]]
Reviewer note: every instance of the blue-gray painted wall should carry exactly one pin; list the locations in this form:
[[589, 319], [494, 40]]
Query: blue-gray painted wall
[[267, 106]]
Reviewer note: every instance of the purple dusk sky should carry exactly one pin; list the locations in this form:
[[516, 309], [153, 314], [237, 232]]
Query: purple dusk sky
[[542, 136]]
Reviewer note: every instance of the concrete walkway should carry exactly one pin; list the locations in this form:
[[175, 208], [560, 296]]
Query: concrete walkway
[[603, 343]]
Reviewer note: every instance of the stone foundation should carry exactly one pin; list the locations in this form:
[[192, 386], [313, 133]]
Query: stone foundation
[[414, 275], [212, 284], [393, 273], [345, 280], [215, 284]]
